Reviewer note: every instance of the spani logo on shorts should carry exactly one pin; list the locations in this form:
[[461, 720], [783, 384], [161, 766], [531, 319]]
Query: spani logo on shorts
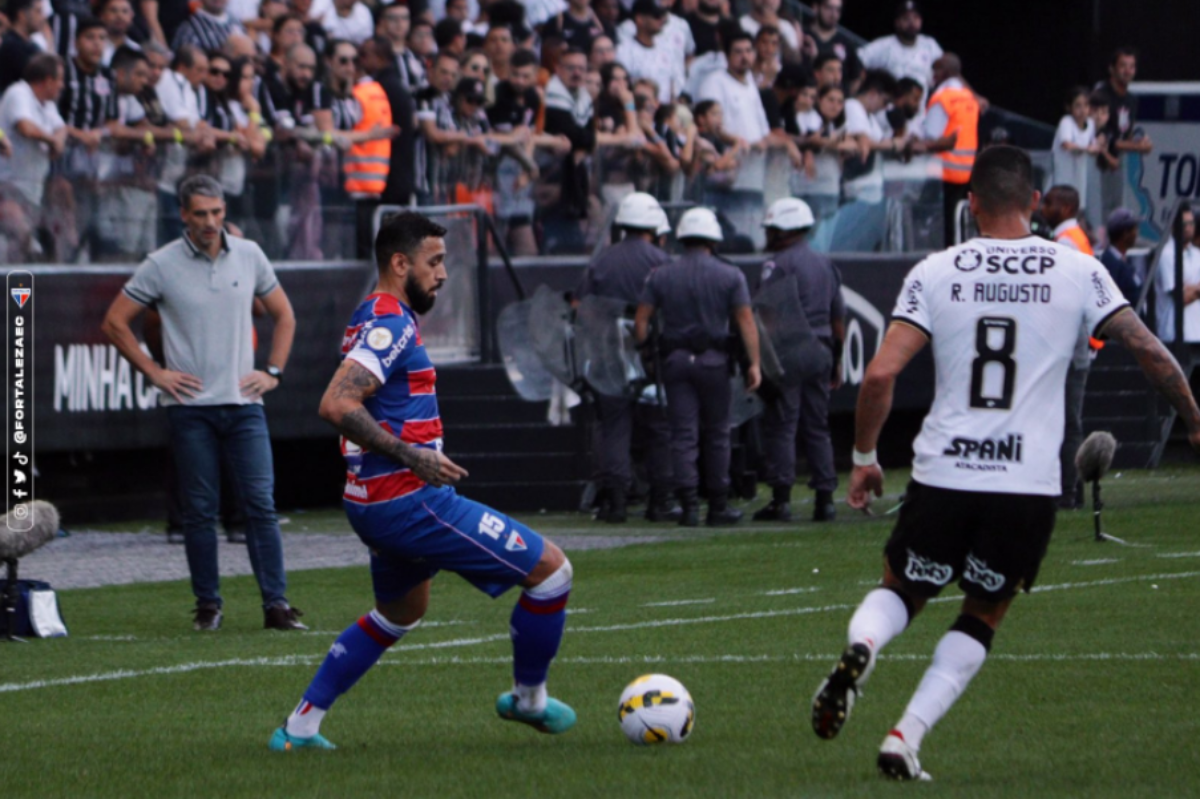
[[923, 570], [977, 572], [968, 260]]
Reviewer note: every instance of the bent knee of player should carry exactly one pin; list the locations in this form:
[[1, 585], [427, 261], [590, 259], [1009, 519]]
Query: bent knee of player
[[990, 613], [552, 562], [914, 603], [408, 609]]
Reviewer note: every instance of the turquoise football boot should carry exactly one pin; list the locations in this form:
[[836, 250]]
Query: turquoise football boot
[[557, 718], [282, 742]]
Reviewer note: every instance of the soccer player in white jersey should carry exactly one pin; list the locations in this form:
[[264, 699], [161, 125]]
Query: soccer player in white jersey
[[1002, 313]]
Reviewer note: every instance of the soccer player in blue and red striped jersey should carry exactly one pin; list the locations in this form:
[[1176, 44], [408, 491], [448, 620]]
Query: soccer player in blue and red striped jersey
[[400, 500]]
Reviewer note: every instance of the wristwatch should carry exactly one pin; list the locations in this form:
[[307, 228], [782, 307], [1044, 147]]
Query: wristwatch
[[275, 372]]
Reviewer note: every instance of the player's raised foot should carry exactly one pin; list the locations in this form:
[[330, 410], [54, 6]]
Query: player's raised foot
[[282, 742], [835, 697], [557, 718], [898, 761]]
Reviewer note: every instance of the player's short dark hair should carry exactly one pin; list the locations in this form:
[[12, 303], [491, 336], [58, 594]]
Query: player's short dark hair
[[1123, 51], [446, 31], [908, 86], [879, 80], [823, 59], [126, 58], [403, 233], [41, 67], [86, 24], [732, 37], [1002, 179], [523, 58]]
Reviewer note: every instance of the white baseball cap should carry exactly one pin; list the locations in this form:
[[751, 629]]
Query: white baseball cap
[[699, 223], [789, 213]]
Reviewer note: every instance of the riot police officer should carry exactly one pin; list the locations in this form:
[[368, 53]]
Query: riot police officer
[[698, 296], [620, 272], [806, 405]]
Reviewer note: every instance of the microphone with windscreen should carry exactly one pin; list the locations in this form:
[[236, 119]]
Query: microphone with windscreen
[[16, 544], [1094, 458]]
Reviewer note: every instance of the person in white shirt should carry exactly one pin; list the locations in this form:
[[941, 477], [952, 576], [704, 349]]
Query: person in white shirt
[[979, 509], [906, 54], [647, 54], [350, 20], [1164, 284], [1074, 143], [676, 35], [36, 133], [766, 12], [117, 16], [861, 222]]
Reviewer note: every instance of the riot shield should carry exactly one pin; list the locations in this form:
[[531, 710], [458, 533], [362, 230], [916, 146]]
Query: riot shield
[[745, 406], [605, 349], [531, 380], [798, 354], [550, 333]]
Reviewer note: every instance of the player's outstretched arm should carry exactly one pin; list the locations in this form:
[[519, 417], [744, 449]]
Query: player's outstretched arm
[[1159, 365], [900, 345], [342, 406]]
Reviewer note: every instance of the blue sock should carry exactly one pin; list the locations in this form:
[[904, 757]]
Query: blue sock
[[537, 627], [351, 656]]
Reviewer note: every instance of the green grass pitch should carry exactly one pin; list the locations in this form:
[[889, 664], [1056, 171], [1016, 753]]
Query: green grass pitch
[[1092, 688]]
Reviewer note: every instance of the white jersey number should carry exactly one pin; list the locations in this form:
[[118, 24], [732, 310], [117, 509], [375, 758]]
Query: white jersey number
[[994, 367]]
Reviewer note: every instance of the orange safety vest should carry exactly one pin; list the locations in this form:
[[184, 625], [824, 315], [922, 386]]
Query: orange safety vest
[[1078, 238], [962, 112], [366, 164]]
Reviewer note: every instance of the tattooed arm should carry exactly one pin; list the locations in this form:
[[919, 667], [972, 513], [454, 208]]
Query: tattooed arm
[[1160, 367], [342, 406]]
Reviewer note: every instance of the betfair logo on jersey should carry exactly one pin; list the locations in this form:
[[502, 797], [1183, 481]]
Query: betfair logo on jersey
[[399, 346], [968, 260], [997, 450]]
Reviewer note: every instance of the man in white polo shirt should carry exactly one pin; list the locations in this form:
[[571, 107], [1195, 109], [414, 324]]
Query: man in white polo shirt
[[204, 285], [906, 54]]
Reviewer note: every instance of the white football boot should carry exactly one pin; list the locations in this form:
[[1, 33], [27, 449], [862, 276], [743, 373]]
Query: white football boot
[[898, 761]]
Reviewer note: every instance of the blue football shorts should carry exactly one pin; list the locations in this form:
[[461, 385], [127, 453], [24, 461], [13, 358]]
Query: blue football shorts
[[413, 538]]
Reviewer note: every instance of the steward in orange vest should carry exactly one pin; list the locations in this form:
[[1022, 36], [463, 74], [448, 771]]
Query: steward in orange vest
[[366, 164], [955, 108]]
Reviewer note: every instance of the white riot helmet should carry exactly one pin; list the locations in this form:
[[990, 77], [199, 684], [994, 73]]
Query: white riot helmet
[[638, 210], [664, 224], [699, 223], [789, 214]]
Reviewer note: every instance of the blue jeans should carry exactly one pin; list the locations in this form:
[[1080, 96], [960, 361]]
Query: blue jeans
[[202, 437]]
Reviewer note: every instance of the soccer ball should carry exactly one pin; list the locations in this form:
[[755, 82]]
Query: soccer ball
[[656, 709]]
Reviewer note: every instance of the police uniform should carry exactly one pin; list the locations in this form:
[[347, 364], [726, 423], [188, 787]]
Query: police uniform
[[620, 272], [806, 406], [696, 297]]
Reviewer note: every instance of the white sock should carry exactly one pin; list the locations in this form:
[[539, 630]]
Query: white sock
[[305, 721], [530, 698], [880, 617], [956, 660]]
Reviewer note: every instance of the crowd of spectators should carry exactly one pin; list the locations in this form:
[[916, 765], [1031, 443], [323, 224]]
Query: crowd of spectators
[[545, 112]]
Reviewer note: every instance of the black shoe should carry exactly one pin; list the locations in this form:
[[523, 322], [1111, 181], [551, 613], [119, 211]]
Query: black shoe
[[774, 512], [824, 510], [207, 617], [835, 697], [618, 513], [660, 507], [282, 617], [719, 512], [689, 499]]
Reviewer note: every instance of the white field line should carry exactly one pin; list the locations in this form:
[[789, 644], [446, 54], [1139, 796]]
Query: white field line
[[678, 602], [295, 660], [1095, 562], [1178, 555], [790, 591]]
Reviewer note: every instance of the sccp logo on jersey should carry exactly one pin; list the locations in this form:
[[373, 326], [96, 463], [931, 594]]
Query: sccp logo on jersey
[[968, 260]]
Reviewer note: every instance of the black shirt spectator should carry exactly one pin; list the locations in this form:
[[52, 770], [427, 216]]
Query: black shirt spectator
[[705, 22], [16, 49], [832, 40], [574, 31], [513, 109], [1122, 115], [208, 28]]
